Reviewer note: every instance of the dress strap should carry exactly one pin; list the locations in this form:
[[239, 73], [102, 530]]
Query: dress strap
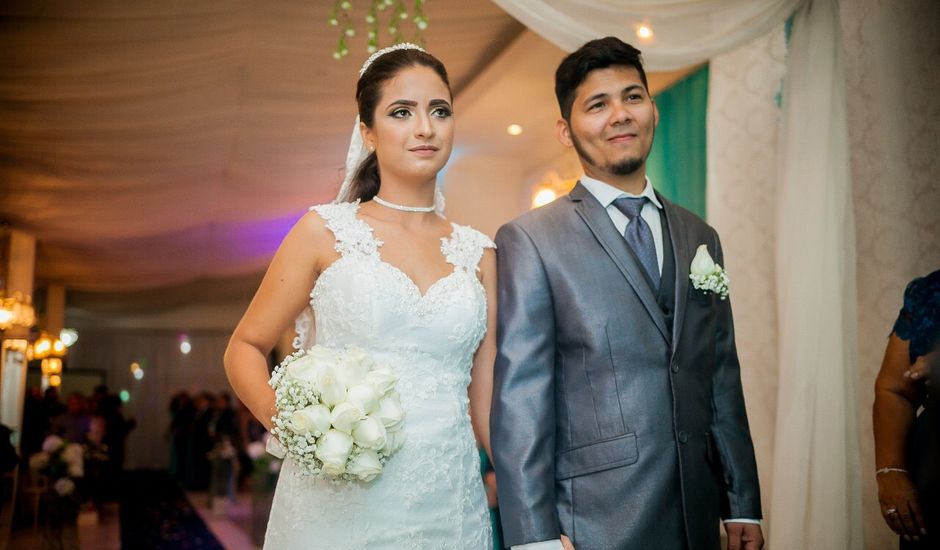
[[353, 236], [464, 248]]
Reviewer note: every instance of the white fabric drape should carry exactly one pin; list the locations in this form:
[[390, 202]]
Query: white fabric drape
[[816, 499], [816, 476], [685, 32]]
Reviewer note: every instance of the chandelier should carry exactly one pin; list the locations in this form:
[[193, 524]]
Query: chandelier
[[16, 310]]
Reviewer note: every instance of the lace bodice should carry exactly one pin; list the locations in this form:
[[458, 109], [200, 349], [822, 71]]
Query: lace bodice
[[430, 494]]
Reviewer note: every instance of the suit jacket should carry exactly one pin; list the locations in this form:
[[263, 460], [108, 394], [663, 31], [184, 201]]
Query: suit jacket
[[614, 422]]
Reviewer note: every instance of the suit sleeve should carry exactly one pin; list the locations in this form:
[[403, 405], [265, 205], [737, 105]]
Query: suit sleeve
[[729, 427], [522, 421]]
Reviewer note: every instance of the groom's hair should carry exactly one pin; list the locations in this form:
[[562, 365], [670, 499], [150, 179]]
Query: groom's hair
[[596, 54]]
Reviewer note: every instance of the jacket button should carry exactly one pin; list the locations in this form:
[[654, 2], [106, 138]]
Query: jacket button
[[675, 366], [683, 437]]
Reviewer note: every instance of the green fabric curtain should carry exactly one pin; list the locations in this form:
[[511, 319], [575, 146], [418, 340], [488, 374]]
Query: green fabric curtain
[[676, 165]]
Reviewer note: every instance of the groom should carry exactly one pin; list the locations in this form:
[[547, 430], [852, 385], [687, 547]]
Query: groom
[[618, 419]]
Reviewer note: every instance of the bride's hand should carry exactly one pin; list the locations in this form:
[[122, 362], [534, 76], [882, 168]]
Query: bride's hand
[[566, 543]]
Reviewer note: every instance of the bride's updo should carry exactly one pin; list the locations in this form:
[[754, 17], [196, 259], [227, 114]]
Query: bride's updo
[[365, 184]]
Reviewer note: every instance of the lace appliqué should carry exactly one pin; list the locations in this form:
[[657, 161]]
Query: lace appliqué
[[353, 236], [465, 247]]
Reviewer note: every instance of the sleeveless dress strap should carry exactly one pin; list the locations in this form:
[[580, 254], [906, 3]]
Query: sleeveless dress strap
[[353, 236], [464, 249]]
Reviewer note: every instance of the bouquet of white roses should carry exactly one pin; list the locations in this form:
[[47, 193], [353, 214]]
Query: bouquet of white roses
[[338, 414]]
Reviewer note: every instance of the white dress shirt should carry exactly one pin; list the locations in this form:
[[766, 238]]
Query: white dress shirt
[[606, 194]]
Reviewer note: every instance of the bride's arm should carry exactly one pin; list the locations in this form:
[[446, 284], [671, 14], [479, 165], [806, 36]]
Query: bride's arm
[[280, 298], [481, 376]]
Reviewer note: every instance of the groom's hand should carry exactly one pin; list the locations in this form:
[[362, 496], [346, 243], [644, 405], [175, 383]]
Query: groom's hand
[[744, 536], [566, 543]]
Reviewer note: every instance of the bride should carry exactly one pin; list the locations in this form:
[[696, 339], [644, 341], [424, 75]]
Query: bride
[[388, 274]]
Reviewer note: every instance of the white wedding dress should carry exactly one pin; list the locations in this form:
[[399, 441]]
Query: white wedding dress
[[430, 495]]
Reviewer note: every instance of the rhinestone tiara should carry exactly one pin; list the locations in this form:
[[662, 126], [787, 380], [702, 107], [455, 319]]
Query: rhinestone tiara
[[383, 51]]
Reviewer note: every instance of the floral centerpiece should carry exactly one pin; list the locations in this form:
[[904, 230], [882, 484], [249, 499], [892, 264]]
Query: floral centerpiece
[[338, 414], [63, 463]]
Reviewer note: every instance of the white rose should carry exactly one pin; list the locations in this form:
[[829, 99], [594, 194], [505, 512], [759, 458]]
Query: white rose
[[344, 417], [365, 465], [332, 391], [393, 441], [51, 443], [303, 369], [702, 263], [383, 379], [255, 450], [369, 433], [390, 411], [322, 355], [333, 450], [315, 418], [363, 396], [74, 456], [354, 365]]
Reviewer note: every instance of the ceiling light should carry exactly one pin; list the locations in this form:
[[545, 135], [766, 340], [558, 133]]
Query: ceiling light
[[514, 129], [645, 33]]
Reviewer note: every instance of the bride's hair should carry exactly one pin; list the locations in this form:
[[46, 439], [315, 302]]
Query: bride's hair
[[365, 184]]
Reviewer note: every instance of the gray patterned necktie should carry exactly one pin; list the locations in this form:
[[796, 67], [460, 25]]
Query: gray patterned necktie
[[639, 236]]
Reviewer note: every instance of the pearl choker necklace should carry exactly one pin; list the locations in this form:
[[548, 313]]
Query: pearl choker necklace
[[394, 206]]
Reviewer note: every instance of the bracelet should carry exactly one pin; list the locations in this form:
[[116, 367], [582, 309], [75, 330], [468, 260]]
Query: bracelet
[[886, 470]]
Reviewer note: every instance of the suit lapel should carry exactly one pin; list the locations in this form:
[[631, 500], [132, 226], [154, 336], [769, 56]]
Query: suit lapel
[[680, 248], [613, 243]]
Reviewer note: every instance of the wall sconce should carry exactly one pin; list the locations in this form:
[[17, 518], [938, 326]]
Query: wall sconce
[[50, 350], [16, 310], [550, 188], [47, 346]]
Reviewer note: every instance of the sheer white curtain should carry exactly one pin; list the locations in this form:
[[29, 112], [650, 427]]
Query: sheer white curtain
[[816, 499], [816, 475]]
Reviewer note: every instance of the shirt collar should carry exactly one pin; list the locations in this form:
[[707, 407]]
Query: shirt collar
[[606, 193]]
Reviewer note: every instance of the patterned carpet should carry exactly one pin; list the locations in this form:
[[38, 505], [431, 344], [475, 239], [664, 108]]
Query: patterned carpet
[[155, 515]]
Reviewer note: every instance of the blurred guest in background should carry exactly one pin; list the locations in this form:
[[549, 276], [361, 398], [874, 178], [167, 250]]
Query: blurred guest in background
[[181, 420], [116, 430], [199, 443], [75, 423]]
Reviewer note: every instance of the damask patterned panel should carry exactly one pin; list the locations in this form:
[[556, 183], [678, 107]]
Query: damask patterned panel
[[891, 81]]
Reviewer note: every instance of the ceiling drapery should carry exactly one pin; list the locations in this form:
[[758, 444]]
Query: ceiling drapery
[[150, 144], [684, 32]]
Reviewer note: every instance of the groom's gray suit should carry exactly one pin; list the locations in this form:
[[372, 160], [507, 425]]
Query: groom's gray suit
[[618, 417]]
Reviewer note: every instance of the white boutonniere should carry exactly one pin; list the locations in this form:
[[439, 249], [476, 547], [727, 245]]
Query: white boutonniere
[[708, 276]]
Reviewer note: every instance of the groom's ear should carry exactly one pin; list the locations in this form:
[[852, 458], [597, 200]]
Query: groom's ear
[[563, 132]]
